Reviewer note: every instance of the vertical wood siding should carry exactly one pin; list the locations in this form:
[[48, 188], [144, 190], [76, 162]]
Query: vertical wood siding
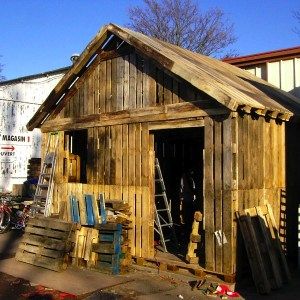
[[118, 166], [127, 82], [244, 167]]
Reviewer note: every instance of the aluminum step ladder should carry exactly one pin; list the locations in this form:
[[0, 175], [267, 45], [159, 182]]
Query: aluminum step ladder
[[163, 218], [43, 195]]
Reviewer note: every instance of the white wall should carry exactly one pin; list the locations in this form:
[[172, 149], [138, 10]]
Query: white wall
[[284, 74], [19, 100]]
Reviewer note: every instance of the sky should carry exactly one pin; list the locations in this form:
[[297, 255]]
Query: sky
[[41, 35]]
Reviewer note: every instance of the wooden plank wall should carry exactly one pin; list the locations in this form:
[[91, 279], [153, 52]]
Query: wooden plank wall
[[128, 82], [244, 166], [218, 196], [120, 160], [261, 164], [261, 170]]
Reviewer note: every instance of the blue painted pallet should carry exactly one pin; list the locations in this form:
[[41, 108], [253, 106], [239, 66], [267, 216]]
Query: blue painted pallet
[[107, 267], [74, 209], [90, 218]]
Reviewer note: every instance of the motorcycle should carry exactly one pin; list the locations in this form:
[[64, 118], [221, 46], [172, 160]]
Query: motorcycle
[[13, 215]]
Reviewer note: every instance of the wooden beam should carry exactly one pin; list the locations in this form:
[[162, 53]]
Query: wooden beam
[[266, 113], [84, 59], [151, 114], [198, 80], [182, 123]]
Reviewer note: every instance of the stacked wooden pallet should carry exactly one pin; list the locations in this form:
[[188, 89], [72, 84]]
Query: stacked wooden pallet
[[46, 243], [108, 249], [81, 254], [91, 210], [104, 245], [267, 261], [102, 248], [33, 168]]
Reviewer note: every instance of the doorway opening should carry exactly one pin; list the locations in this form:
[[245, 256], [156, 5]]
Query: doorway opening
[[75, 160], [180, 155]]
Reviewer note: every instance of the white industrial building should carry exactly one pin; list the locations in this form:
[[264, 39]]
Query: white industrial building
[[280, 67], [19, 100]]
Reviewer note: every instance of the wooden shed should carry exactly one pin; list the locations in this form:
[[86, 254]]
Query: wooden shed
[[130, 98]]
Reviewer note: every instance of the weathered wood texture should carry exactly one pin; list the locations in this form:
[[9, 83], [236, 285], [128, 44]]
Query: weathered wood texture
[[218, 199], [244, 166], [117, 100], [128, 82], [261, 164], [118, 166]]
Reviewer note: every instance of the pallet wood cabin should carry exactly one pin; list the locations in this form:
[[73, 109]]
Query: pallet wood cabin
[[130, 98], [282, 69]]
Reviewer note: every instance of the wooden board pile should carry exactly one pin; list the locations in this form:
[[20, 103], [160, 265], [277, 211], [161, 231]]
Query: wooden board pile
[[267, 261], [46, 243], [33, 168], [195, 239], [104, 247]]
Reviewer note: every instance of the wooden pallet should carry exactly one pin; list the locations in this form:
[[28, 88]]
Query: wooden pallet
[[102, 248], [82, 255], [178, 266], [108, 248], [267, 261], [46, 243]]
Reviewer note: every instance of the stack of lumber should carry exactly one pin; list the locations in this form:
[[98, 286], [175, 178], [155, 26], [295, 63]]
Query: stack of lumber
[[82, 255], [46, 243], [267, 261], [118, 212], [195, 239], [102, 248], [88, 210], [109, 222], [17, 190], [108, 248], [33, 168]]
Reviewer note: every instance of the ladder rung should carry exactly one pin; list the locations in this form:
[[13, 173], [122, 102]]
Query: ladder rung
[[159, 180], [167, 224], [45, 174], [43, 185], [39, 197], [162, 209], [160, 195]]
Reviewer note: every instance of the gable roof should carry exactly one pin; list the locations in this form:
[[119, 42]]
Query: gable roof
[[230, 86]]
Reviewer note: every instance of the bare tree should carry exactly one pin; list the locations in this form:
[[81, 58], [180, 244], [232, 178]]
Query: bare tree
[[1, 69], [296, 15], [181, 22], [1, 76]]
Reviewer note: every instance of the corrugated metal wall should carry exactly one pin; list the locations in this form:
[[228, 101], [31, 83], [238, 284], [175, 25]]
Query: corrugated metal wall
[[284, 74]]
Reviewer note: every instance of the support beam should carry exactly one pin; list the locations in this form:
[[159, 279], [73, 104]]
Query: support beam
[[152, 114]]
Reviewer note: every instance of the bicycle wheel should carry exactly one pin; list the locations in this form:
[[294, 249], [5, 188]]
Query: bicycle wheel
[[4, 221]]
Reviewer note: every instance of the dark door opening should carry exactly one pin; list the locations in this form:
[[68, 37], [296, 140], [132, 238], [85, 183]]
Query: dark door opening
[[76, 158], [180, 154]]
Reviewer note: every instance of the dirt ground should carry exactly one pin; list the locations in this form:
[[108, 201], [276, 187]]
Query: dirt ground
[[140, 283]]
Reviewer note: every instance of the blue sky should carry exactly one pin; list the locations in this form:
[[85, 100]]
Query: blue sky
[[40, 35]]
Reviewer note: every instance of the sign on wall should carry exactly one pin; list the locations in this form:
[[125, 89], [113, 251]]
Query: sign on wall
[[17, 145]]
